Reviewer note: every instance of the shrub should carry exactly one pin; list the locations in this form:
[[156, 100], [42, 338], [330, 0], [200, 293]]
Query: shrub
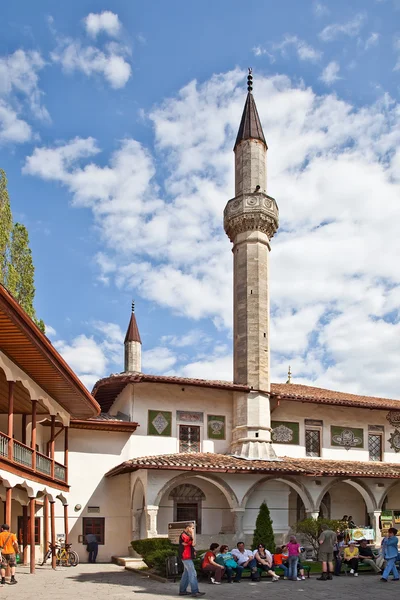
[[311, 529], [157, 559], [145, 547], [263, 533]]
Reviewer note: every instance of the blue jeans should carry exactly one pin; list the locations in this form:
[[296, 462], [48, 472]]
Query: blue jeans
[[390, 568], [292, 562], [284, 569], [189, 576]]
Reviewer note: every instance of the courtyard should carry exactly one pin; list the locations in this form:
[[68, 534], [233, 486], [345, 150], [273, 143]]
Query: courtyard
[[105, 581]]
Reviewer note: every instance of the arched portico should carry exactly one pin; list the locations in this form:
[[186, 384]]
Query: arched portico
[[338, 509]]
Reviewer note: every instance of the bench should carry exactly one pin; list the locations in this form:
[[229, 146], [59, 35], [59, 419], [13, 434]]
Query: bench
[[246, 573]]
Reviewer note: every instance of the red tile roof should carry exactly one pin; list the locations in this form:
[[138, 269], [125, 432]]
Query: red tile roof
[[306, 393], [221, 463]]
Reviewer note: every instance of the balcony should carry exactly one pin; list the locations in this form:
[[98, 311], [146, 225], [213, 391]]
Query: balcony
[[18, 454]]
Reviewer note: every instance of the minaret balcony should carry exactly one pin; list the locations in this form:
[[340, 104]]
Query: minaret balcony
[[250, 212]]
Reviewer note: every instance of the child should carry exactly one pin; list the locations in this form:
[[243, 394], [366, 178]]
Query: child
[[279, 559], [293, 558], [389, 546]]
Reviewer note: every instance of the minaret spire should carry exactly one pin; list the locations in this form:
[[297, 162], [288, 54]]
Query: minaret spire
[[133, 345], [250, 221]]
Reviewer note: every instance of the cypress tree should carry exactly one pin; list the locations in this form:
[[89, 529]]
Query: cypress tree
[[263, 533], [5, 226], [22, 271]]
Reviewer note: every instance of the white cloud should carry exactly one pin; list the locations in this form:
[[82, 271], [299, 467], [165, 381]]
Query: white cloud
[[107, 22], [50, 331], [110, 63], [158, 360], [331, 73], [85, 356], [372, 40], [193, 337], [320, 10], [335, 283], [12, 129], [304, 51], [335, 30]]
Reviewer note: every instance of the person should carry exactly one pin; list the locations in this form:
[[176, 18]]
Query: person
[[338, 554], [9, 548], [92, 546], [279, 561], [187, 553], [390, 551], [225, 559], [351, 557], [264, 561], [326, 541], [293, 557], [245, 558], [366, 556], [350, 523], [210, 564]]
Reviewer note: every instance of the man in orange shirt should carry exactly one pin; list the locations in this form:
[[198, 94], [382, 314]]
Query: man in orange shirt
[[9, 548]]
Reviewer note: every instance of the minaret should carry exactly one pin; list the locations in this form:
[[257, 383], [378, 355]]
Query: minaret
[[133, 346], [250, 221]]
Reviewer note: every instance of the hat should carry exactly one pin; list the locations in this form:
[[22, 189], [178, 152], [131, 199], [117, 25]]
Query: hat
[[351, 542]]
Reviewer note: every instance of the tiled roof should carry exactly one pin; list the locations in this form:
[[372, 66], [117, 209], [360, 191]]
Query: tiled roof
[[106, 390], [221, 463], [250, 125], [306, 393], [106, 422]]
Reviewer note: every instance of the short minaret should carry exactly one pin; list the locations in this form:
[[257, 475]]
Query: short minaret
[[250, 221], [133, 346]]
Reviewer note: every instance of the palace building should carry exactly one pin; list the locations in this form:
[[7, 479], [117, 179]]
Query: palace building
[[171, 449]]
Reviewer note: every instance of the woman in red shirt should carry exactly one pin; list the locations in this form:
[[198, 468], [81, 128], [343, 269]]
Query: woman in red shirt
[[209, 564]]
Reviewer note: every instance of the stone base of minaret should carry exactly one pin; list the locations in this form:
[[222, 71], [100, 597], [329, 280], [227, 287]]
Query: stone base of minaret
[[251, 434]]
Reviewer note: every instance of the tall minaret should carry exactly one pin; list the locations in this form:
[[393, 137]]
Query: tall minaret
[[133, 346], [250, 221]]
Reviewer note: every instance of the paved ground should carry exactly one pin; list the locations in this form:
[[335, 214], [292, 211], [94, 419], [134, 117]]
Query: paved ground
[[106, 582]]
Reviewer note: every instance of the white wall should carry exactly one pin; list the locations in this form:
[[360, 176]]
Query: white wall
[[346, 500], [337, 416], [276, 496]]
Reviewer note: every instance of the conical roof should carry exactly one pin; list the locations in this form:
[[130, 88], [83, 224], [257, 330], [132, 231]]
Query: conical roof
[[132, 334], [250, 125]]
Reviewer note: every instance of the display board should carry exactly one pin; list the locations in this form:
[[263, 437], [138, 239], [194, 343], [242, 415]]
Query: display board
[[175, 529]]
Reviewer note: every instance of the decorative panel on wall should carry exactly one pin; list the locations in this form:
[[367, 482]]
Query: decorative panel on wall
[[159, 422], [216, 427], [285, 432], [347, 437], [189, 416]]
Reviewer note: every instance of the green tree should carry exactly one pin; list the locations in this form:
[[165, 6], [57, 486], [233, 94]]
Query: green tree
[[263, 533], [5, 226], [311, 529]]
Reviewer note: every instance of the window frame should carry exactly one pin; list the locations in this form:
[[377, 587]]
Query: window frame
[[189, 425], [317, 428], [101, 536], [20, 528], [378, 434]]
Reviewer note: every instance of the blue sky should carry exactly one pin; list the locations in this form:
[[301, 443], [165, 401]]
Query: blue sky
[[117, 122]]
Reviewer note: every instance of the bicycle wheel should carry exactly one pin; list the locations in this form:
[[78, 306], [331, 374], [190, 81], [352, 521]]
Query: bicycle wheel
[[46, 557], [73, 559]]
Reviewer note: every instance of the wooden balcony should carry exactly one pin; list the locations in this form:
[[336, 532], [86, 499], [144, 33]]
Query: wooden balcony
[[13, 452]]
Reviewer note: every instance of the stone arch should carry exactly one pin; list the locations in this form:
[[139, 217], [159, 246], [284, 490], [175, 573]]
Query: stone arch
[[292, 483], [361, 487], [138, 503], [226, 490], [188, 492], [386, 492]]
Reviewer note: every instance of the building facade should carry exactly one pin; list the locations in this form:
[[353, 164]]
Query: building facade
[[170, 449]]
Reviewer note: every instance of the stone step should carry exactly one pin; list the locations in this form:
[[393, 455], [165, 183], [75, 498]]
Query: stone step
[[129, 561]]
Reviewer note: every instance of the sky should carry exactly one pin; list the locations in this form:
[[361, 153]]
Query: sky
[[117, 124]]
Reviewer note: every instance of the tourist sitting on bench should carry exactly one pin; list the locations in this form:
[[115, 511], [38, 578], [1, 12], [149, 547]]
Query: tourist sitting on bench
[[210, 564], [279, 559], [225, 558], [351, 557], [245, 558], [366, 556], [264, 561]]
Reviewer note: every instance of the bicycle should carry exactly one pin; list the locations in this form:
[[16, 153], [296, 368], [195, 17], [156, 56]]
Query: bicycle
[[65, 557]]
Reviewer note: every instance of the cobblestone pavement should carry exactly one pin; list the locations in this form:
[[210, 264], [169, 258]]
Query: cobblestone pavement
[[106, 582]]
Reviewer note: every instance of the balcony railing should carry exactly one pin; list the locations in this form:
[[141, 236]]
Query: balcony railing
[[21, 454]]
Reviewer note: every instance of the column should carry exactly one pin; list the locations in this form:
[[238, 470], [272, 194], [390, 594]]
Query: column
[[23, 427], [46, 537], [32, 509], [151, 521], [10, 430], [238, 514], [25, 534], [52, 443], [53, 533], [33, 436], [313, 514], [375, 524], [8, 506], [66, 531], [66, 431]]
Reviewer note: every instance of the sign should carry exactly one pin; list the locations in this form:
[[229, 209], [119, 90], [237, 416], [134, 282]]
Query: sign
[[361, 534], [175, 529]]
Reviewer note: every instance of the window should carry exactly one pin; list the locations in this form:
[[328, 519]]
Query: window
[[313, 442], [21, 540], [187, 512], [94, 525], [189, 438], [375, 446]]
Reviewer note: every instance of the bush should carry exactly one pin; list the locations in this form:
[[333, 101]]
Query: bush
[[157, 559], [311, 529], [145, 547], [263, 533]]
